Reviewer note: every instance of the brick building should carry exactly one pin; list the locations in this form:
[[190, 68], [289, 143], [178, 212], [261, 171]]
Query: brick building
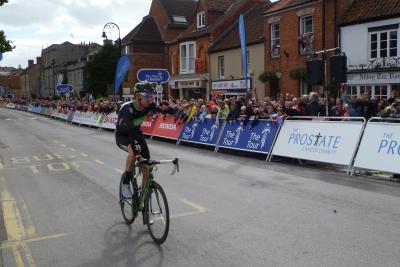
[[294, 30], [147, 42], [30, 78], [225, 62], [188, 54]]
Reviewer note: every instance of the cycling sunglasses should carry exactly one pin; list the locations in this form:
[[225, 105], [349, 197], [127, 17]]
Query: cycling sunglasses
[[147, 95]]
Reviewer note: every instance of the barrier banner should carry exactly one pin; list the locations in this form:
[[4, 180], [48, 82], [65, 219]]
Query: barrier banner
[[95, 119], [70, 116], [380, 147], [10, 105], [323, 141], [148, 125], [77, 117], [110, 121], [202, 131], [167, 126], [257, 139]]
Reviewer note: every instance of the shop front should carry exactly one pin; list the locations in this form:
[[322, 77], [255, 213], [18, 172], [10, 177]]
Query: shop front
[[193, 86], [229, 88], [379, 83]]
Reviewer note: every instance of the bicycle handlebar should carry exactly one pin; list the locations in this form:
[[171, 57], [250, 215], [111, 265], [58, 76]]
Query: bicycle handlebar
[[156, 162]]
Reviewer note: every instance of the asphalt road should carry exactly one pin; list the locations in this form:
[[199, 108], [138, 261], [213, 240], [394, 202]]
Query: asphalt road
[[58, 199]]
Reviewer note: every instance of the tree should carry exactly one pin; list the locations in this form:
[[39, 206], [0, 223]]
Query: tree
[[101, 70], [5, 45]]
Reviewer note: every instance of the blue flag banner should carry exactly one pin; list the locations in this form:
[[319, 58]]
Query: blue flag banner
[[254, 137], [42, 88], [242, 33], [124, 63], [1, 56], [202, 131]]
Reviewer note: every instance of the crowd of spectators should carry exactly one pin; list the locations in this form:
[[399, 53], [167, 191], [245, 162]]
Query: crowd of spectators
[[244, 108]]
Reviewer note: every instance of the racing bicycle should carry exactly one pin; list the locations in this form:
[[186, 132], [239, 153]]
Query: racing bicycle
[[150, 200]]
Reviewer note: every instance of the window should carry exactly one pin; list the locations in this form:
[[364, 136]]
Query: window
[[275, 40], [188, 56], [352, 91], [306, 38], [126, 50], [180, 19], [201, 19], [383, 44], [221, 67], [304, 89], [380, 92]]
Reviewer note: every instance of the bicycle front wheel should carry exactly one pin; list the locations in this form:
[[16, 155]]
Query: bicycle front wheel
[[128, 205], [157, 213]]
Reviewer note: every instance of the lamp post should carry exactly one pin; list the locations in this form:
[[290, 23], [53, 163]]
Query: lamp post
[[110, 26]]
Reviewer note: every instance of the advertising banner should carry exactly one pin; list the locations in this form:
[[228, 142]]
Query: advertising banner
[[202, 131], [10, 105], [110, 121], [380, 147], [167, 127], [323, 141], [148, 125], [245, 137]]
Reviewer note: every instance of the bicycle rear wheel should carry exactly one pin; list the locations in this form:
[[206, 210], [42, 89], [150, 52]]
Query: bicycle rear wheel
[[128, 205], [157, 213]]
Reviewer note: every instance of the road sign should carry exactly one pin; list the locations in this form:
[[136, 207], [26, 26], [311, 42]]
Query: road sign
[[64, 88], [153, 75], [159, 89]]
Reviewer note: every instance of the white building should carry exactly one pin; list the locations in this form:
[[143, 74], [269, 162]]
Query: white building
[[370, 32]]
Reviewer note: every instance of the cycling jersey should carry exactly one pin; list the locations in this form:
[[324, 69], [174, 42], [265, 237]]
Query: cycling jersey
[[128, 127]]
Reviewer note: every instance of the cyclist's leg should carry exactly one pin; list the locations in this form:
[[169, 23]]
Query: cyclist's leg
[[145, 153]]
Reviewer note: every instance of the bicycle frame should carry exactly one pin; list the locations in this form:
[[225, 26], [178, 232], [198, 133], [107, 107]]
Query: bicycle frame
[[145, 188]]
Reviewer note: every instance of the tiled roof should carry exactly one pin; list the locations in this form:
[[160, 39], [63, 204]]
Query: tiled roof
[[369, 10], [284, 4], [254, 31], [219, 5], [147, 30], [233, 10], [184, 8]]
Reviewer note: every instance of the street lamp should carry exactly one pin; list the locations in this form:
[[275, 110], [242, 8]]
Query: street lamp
[[111, 26]]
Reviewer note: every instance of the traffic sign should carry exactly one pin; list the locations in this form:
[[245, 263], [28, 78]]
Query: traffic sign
[[159, 89], [153, 75], [64, 88]]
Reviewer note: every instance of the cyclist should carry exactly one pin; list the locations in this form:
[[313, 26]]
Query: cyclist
[[128, 134]]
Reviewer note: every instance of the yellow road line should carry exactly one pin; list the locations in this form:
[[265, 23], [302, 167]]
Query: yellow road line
[[18, 259], [28, 255], [8, 244], [200, 209], [30, 230], [99, 162], [119, 171], [83, 154]]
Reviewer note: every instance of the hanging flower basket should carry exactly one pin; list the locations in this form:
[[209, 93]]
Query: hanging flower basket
[[298, 74]]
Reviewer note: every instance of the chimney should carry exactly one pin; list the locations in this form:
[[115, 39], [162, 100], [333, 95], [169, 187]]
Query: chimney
[[30, 63], [38, 60]]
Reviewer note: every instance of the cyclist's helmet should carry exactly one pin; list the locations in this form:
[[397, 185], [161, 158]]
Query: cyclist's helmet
[[143, 87]]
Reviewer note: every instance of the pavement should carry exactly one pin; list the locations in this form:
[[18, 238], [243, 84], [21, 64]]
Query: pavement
[[59, 206]]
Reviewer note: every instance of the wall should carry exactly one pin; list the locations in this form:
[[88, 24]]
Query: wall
[[355, 40], [233, 65]]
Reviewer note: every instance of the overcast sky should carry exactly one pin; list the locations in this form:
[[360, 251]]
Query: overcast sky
[[36, 24], [33, 24]]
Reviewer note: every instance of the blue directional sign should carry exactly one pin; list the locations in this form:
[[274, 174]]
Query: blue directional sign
[[64, 88], [153, 75]]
